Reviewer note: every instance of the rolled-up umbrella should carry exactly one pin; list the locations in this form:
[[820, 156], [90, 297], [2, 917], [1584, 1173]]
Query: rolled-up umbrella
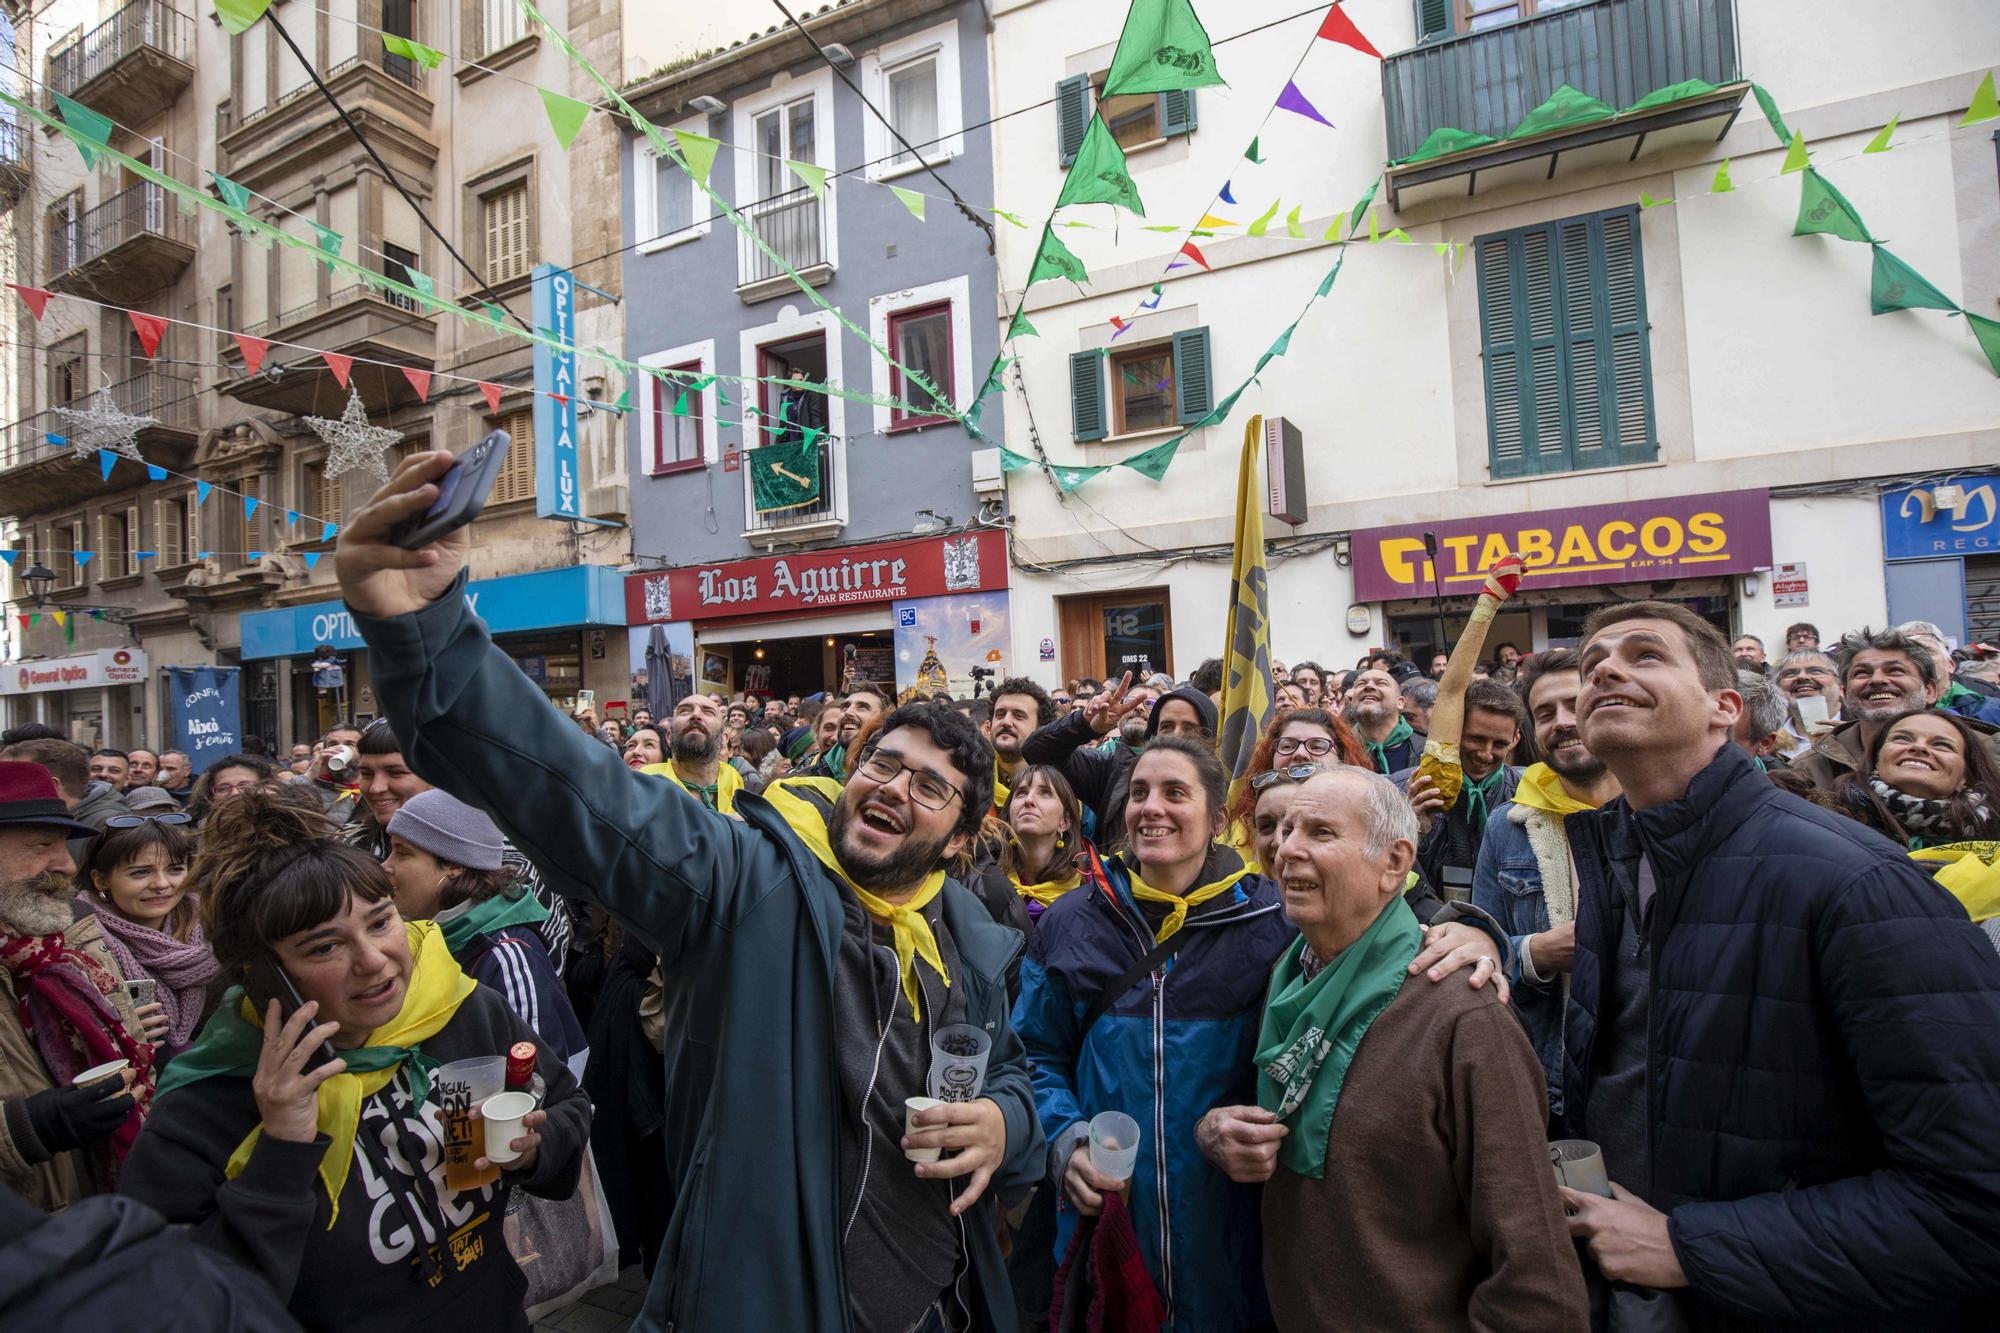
[[659, 674]]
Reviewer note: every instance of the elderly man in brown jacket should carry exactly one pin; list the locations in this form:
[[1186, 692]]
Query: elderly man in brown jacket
[[55, 1137], [1400, 1125]]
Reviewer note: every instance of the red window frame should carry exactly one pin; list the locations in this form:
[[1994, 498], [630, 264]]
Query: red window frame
[[665, 392], [898, 418]]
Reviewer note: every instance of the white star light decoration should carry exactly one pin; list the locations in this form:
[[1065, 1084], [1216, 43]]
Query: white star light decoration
[[103, 426], [356, 445]]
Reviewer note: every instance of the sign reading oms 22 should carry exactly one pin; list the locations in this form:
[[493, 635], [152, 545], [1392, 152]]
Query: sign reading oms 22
[[1689, 536]]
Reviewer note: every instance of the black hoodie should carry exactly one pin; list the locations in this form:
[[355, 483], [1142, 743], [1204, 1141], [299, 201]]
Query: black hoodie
[[1101, 777], [366, 1271]]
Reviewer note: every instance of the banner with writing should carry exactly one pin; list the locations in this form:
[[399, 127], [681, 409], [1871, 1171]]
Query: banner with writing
[[207, 712]]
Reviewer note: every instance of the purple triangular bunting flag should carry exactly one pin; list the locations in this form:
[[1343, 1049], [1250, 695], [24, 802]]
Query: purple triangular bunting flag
[[1295, 101]]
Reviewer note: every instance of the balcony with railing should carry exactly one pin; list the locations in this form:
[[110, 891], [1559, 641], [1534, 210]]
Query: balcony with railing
[[794, 226], [354, 320], [299, 127], [39, 470], [808, 523], [123, 250], [132, 65], [1521, 101]]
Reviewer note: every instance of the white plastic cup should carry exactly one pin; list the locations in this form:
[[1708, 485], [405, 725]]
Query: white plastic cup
[[109, 1069], [503, 1115], [912, 1105], [1579, 1164], [464, 1084], [1114, 1144], [958, 1062]]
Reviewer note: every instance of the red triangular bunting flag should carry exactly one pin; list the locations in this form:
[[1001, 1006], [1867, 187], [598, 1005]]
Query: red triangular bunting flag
[[34, 298], [562, 398], [150, 328], [420, 380], [339, 365], [492, 393], [1194, 254], [253, 350], [1340, 28], [1119, 325]]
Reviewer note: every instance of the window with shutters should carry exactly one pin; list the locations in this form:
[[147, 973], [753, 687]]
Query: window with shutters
[[65, 540], [115, 542], [1441, 18], [1135, 120], [504, 229], [1147, 387], [517, 475], [67, 380], [501, 23], [318, 497], [176, 529], [1562, 314]]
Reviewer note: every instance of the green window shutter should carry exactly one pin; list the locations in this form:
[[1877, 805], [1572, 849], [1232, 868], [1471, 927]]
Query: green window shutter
[[1086, 395], [1433, 19], [1628, 346], [1072, 116], [1176, 112], [1194, 384]]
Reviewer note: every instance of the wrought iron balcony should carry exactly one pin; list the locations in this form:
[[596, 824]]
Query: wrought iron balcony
[[794, 226], [130, 66], [355, 320], [40, 474], [1620, 52], [126, 248], [813, 522]]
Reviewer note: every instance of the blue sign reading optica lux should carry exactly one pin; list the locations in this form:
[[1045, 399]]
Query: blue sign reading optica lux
[[551, 599], [1916, 526], [556, 465]]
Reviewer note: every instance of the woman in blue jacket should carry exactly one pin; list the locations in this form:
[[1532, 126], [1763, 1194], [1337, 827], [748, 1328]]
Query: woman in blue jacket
[[1175, 1044]]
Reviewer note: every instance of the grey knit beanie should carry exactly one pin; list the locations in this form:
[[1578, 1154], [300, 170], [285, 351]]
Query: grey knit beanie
[[448, 829]]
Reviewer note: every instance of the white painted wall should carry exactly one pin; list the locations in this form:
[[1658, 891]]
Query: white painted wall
[[1840, 539]]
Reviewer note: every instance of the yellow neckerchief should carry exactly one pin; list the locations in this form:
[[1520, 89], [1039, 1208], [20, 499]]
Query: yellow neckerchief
[[1001, 791], [907, 927], [1177, 918], [1542, 789], [1970, 871], [1048, 890], [437, 987], [1239, 839], [728, 782]]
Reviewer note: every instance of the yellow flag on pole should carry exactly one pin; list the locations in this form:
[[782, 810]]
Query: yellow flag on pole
[[1247, 700]]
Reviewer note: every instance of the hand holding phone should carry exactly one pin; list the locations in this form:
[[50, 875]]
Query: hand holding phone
[[462, 493], [269, 981]]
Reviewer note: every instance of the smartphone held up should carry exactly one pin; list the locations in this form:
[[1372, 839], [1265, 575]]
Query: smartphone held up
[[462, 493]]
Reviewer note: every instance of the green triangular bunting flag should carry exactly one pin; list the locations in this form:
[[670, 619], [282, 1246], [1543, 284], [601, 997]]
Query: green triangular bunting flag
[[1771, 115], [814, 178], [1099, 176], [1021, 328], [911, 200], [238, 15], [1897, 286], [1988, 333], [329, 240], [427, 56], [1796, 157], [1155, 461], [1985, 103], [1360, 210], [1722, 185], [1054, 260], [1263, 222], [236, 196], [566, 116], [91, 131], [1163, 49], [1880, 143], [1825, 211], [1251, 152], [699, 152], [1069, 478]]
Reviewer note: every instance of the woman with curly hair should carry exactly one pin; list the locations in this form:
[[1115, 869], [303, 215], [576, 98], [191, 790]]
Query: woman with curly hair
[[1926, 780], [1299, 736], [226, 777]]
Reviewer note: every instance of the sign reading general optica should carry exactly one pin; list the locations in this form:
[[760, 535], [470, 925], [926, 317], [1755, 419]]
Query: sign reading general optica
[[1688, 536], [820, 580], [83, 671], [551, 599], [556, 466]]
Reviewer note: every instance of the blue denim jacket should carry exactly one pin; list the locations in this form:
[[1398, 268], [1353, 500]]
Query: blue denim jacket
[[1507, 883]]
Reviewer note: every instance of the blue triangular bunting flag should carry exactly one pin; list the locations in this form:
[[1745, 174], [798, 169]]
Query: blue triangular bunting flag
[[145, 555], [154, 472], [106, 460], [249, 506], [1227, 197], [291, 516], [312, 558], [326, 533], [201, 490], [203, 555], [254, 555], [82, 557], [10, 556], [55, 441]]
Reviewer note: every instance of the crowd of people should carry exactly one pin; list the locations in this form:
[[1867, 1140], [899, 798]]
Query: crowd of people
[[1677, 1014]]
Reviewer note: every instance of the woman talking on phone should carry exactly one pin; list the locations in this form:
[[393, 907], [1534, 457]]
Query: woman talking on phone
[[298, 1134], [135, 878]]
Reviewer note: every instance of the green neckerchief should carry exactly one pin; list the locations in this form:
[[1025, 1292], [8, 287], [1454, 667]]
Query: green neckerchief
[[1311, 1029], [488, 915], [835, 760], [1380, 753], [229, 1046], [709, 796], [1484, 789], [1954, 694]]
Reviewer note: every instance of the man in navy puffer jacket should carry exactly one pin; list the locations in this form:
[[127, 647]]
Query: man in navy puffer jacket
[[1785, 1037]]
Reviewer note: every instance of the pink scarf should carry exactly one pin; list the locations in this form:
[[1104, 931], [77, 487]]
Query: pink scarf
[[181, 967]]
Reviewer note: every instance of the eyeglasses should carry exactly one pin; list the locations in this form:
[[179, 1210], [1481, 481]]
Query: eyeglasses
[[926, 789], [231, 788], [134, 821], [1272, 777], [1316, 746]]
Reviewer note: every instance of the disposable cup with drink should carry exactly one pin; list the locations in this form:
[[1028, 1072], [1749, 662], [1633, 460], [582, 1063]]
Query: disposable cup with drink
[[1114, 1144], [460, 1086], [502, 1115]]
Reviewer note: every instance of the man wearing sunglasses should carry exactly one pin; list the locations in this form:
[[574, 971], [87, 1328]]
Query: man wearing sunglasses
[[812, 949], [1449, 849]]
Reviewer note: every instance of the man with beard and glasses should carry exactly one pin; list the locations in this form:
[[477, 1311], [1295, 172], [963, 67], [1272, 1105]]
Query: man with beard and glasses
[[1882, 673], [694, 759], [1128, 715], [1524, 876], [63, 1010], [809, 952], [1372, 706], [1020, 707]]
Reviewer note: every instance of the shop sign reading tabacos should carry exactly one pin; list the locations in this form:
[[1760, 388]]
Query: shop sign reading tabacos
[[1689, 536], [820, 580]]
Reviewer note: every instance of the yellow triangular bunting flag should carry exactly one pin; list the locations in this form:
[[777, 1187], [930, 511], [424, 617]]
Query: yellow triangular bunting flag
[[1292, 227], [1985, 103], [1722, 185], [1796, 157], [1210, 220], [1339, 225], [911, 200], [1263, 221], [1880, 143]]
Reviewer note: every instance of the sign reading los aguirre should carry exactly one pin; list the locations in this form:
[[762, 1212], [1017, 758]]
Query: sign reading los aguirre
[[1688, 536], [820, 580]]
